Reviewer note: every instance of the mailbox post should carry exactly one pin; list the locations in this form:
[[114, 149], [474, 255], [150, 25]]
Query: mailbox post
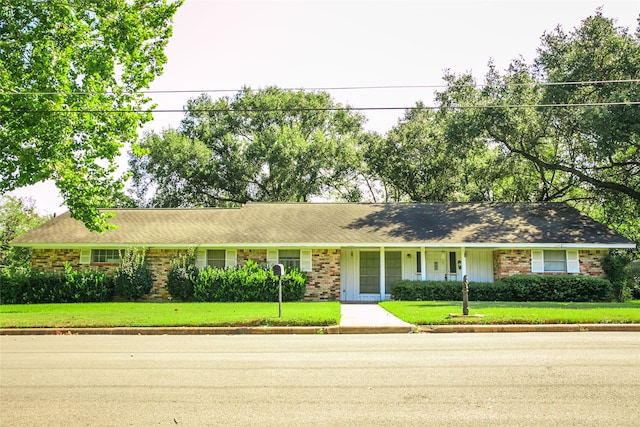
[[278, 270]]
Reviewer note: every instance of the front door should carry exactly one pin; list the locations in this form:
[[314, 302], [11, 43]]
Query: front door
[[436, 265]]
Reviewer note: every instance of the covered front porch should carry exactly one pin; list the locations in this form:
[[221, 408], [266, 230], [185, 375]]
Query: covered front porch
[[366, 274]]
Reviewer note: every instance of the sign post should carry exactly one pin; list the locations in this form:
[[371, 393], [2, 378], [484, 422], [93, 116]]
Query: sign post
[[278, 270]]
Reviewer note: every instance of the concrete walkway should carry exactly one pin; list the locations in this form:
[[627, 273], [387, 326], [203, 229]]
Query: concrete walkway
[[356, 318]]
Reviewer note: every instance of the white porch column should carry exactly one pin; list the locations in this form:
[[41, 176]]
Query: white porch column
[[463, 259], [423, 264], [382, 275]]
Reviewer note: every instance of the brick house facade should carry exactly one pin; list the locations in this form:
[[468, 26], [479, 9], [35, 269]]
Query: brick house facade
[[349, 251], [323, 284], [324, 277]]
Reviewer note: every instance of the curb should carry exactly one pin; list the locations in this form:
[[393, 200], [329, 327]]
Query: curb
[[320, 330], [590, 327]]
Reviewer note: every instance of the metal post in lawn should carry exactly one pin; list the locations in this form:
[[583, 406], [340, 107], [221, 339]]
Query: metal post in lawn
[[465, 296], [278, 270]]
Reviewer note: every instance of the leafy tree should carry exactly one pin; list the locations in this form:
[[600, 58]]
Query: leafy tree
[[587, 152], [421, 159], [267, 145], [16, 218], [71, 72]]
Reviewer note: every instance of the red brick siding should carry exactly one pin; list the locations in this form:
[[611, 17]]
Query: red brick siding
[[510, 262], [259, 256], [55, 259], [159, 263], [591, 262], [324, 279]]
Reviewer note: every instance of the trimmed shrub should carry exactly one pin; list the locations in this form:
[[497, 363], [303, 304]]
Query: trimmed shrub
[[182, 275], [37, 287], [558, 288], [250, 283], [133, 278], [12, 285], [624, 275]]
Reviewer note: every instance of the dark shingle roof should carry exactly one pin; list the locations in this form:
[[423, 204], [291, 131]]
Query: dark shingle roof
[[337, 224]]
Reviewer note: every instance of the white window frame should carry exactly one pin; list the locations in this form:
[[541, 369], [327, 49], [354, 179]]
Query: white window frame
[[230, 257], [288, 258], [305, 262], [95, 253], [216, 258], [572, 261]]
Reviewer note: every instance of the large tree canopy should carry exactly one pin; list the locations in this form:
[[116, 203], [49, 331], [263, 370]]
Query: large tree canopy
[[71, 72], [573, 115], [266, 145]]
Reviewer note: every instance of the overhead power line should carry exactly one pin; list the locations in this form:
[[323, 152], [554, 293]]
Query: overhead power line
[[267, 110], [314, 89]]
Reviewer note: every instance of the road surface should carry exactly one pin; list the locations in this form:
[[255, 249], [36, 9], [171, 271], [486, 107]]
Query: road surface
[[356, 380]]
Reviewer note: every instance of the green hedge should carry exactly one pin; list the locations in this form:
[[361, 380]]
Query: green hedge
[[37, 287], [132, 277], [248, 283], [558, 288]]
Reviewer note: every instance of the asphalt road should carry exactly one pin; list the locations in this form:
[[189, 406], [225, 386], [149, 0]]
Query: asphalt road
[[356, 380]]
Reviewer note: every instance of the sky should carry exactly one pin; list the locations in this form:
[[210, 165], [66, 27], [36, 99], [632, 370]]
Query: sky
[[224, 45]]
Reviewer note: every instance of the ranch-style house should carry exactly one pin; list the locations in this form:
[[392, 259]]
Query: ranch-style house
[[349, 251]]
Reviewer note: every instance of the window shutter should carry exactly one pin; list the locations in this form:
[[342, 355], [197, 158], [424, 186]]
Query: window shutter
[[231, 258], [537, 261], [305, 260], [272, 257], [573, 262], [85, 256], [201, 258]]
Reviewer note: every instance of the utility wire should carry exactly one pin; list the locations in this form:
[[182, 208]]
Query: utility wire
[[314, 89], [268, 110]]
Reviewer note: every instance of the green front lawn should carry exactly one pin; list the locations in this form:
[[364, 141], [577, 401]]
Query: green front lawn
[[168, 314], [437, 312]]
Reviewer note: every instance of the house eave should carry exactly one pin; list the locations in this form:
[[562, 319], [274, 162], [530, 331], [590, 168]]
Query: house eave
[[328, 245]]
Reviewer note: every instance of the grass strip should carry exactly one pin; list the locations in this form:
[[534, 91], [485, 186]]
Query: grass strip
[[146, 314], [502, 313]]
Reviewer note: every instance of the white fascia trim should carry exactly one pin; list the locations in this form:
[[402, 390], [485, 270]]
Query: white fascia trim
[[488, 245]]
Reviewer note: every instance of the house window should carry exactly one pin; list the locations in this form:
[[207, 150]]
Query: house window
[[105, 256], [216, 258], [419, 262], [555, 261], [290, 259]]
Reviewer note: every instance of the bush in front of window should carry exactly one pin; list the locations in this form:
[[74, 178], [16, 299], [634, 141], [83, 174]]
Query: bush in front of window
[[69, 286], [518, 288], [182, 275], [132, 278], [249, 283]]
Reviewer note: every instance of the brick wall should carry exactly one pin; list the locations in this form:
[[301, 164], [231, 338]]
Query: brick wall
[[324, 279], [591, 262], [259, 256], [54, 259], [510, 262], [159, 263], [518, 261]]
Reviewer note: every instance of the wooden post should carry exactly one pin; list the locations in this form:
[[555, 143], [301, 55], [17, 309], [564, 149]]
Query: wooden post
[[465, 296]]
